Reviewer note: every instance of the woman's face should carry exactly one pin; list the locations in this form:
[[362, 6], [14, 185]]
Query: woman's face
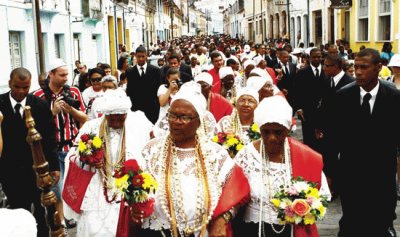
[[246, 105], [396, 70], [273, 136], [116, 120], [266, 91], [351, 70], [173, 77], [183, 121]]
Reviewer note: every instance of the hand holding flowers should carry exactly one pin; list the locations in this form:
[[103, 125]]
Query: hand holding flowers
[[230, 141], [90, 149]]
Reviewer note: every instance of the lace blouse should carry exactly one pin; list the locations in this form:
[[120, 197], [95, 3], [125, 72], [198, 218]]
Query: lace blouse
[[250, 160]]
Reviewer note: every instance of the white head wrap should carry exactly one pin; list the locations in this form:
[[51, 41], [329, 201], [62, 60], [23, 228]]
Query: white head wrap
[[191, 92], [258, 60], [56, 63], [111, 79], [204, 76], [247, 91], [274, 109], [249, 62], [257, 83], [225, 71], [114, 102], [206, 67], [261, 72], [247, 48]]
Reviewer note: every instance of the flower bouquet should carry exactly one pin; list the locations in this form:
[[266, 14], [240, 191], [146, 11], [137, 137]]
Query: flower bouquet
[[254, 132], [90, 149], [300, 203], [136, 187], [230, 141]]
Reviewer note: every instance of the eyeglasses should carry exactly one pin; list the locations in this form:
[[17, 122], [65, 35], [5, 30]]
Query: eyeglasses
[[184, 118], [96, 79], [250, 102]]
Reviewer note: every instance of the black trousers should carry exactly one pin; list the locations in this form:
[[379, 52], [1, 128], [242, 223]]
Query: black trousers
[[154, 233], [251, 229]]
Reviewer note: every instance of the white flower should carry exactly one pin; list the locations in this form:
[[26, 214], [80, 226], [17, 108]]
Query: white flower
[[316, 204], [297, 219], [300, 186], [284, 203]]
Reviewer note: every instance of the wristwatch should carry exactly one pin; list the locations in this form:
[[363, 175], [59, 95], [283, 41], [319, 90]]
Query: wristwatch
[[227, 216]]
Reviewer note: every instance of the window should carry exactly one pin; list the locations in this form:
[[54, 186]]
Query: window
[[59, 48], [384, 27], [15, 49], [363, 15]]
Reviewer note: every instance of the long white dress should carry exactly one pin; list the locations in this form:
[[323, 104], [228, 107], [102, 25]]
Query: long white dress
[[97, 217], [221, 167]]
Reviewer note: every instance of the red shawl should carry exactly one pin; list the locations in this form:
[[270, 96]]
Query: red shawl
[[219, 106]]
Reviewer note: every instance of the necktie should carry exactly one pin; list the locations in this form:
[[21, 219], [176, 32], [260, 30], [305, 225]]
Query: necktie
[[332, 83], [287, 69], [142, 71], [316, 72], [17, 108], [365, 107]]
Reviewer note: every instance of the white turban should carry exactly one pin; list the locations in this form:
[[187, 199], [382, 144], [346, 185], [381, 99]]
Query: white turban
[[258, 60], [225, 71], [247, 91], [204, 76], [261, 72], [110, 78], [257, 83], [191, 92], [274, 109], [114, 102], [249, 62], [206, 67]]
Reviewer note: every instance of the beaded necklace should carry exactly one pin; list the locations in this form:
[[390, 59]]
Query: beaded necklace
[[108, 165], [265, 163]]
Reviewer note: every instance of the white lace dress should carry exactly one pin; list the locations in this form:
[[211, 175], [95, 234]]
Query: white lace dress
[[221, 164], [97, 217], [250, 160]]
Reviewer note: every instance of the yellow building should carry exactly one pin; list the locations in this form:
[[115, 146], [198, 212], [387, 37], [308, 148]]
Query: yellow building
[[370, 23]]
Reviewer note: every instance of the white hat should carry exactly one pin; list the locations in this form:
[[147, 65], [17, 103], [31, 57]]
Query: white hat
[[111, 79], [249, 62], [114, 102], [257, 83], [56, 63], [308, 50], [274, 109], [247, 48], [207, 67], [248, 91], [258, 59], [395, 61], [225, 71], [191, 92], [260, 72], [204, 76], [297, 50]]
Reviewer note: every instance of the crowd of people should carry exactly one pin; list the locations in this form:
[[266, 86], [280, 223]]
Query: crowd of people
[[163, 106]]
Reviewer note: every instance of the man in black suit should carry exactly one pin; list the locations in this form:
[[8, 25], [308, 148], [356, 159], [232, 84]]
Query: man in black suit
[[16, 173], [367, 136], [285, 74], [143, 84], [308, 94], [174, 61], [335, 78]]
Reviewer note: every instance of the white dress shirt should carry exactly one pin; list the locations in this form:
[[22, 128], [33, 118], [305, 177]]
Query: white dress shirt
[[319, 69], [373, 93], [140, 70], [337, 78], [14, 102]]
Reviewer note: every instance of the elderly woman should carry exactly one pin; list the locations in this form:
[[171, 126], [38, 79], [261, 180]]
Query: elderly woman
[[124, 134], [228, 87], [108, 82], [242, 119], [200, 186], [271, 162]]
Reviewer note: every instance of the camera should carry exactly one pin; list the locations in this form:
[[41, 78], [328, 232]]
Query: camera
[[179, 82], [71, 101]]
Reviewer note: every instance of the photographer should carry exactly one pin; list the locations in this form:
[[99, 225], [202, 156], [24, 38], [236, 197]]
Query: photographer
[[167, 91], [68, 110]]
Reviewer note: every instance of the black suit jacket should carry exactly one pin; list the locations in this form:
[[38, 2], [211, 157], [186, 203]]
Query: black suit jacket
[[143, 91], [368, 149], [287, 80], [16, 160], [308, 92], [185, 70]]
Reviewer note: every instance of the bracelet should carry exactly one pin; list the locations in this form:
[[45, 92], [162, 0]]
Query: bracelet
[[227, 216]]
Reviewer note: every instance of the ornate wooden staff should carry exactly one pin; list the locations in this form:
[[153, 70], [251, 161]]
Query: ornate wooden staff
[[43, 179]]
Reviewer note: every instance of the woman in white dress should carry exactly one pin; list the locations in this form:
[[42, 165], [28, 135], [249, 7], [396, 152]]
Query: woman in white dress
[[199, 185], [242, 118], [124, 134], [166, 92], [272, 161]]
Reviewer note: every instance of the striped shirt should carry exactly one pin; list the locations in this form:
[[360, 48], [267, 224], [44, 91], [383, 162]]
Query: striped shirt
[[67, 128]]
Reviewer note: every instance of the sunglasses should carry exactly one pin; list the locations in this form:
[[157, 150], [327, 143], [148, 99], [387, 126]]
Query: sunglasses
[[96, 79]]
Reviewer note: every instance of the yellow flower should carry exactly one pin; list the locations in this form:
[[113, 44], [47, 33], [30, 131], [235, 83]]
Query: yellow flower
[[215, 138], [255, 128], [239, 146], [122, 183], [309, 219], [232, 141], [149, 182], [276, 202], [81, 146], [289, 219], [97, 142], [322, 211], [313, 192], [140, 196]]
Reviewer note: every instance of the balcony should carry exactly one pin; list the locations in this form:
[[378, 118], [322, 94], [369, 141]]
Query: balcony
[[92, 9]]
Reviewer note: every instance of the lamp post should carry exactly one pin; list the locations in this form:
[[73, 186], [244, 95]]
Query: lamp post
[[143, 33], [172, 18]]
